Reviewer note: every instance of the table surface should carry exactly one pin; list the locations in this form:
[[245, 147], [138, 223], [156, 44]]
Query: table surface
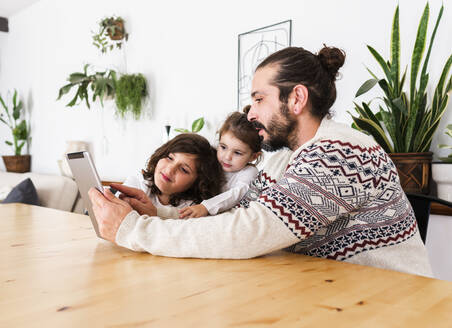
[[54, 272]]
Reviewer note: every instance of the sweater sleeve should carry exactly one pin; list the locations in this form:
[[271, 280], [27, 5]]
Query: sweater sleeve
[[237, 234], [168, 212]]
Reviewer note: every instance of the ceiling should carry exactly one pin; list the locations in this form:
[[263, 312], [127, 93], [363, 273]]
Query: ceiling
[[9, 8]]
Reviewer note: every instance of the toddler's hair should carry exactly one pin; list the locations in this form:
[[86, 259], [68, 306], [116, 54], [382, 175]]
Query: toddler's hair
[[238, 124], [210, 173]]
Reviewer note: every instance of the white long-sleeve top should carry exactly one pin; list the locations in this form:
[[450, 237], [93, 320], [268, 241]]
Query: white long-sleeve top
[[236, 186], [338, 198]]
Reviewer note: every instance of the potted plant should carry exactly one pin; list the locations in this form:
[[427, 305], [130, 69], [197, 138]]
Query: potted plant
[[404, 123], [14, 119], [442, 171], [102, 84], [131, 90], [111, 34]]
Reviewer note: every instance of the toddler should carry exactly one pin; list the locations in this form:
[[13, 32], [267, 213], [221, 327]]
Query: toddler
[[239, 146]]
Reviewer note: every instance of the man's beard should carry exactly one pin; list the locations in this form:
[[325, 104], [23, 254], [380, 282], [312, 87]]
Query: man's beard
[[280, 130]]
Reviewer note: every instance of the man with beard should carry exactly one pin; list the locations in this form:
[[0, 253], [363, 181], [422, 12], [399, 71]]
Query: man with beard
[[339, 196]]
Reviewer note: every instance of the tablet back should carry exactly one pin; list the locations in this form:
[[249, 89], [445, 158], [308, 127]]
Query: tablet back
[[86, 177]]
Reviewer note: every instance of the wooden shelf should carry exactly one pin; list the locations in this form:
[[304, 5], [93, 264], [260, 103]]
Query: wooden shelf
[[440, 209]]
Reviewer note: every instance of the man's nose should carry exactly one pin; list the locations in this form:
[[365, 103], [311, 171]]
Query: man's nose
[[251, 114]]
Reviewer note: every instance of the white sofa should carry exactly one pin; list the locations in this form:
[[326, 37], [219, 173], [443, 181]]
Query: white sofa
[[54, 191]]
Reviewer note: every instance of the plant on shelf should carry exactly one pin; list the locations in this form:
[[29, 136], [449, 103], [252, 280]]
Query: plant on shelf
[[131, 90], [14, 119], [102, 84], [447, 159], [404, 121], [196, 126], [111, 34]]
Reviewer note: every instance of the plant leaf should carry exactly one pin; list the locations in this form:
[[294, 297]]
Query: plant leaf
[[369, 84], [181, 130], [418, 50], [382, 62], [197, 125], [395, 51], [63, 90], [375, 131]]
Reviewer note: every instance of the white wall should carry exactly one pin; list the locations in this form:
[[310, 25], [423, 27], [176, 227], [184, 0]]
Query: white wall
[[188, 52]]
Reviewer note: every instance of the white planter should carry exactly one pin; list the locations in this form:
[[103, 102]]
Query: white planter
[[442, 175]]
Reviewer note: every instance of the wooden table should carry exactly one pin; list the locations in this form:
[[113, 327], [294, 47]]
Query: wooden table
[[54, 272]]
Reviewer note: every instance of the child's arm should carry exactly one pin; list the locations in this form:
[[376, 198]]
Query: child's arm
[[232, 197], [194, 211]]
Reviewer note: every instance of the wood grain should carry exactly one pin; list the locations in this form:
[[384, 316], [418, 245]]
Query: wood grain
[[440, 209], [54, 272]]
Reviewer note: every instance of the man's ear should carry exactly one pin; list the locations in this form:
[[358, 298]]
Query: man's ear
[[255, 156], [299, 99]]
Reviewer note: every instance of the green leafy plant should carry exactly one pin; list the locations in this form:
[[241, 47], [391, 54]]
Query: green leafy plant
[[131, 90], [19, 129], [404, 122], [196, 126], [102, 84], [110, 34], [447, 159]]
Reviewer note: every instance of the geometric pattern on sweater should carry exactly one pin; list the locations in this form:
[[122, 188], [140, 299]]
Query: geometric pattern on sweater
[[340, 200], [266, 178], [256, 188]]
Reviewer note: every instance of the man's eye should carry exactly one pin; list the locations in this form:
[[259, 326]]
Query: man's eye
[[258, 100]]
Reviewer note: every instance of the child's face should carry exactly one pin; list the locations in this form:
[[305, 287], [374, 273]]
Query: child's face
[[175, 173], [233, 154]]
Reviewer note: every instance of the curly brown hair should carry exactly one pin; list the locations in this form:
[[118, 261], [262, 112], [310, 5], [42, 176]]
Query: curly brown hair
[[210, 174]]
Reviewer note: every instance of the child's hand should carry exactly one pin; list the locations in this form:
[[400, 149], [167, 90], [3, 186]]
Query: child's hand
[[194, 211]]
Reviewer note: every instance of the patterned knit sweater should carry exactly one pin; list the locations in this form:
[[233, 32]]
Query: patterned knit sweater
[[339, 197]]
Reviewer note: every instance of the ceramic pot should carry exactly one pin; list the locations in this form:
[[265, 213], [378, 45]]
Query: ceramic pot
[[442, 175]]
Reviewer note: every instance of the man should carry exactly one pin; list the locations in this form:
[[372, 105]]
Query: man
[[339, 197]]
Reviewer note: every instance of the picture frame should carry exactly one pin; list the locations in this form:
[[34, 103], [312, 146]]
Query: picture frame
[[253, 47]]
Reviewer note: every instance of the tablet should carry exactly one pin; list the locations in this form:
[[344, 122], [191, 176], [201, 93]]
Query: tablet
[[86, 177]]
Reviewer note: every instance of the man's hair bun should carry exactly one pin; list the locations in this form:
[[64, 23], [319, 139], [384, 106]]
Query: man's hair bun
[[331, 59]]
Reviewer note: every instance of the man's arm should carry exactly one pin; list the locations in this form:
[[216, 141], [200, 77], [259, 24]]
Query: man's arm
[[236, 234]]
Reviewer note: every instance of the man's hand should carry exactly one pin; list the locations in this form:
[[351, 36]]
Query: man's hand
[[194, 211], [109, 211], [137, 198]]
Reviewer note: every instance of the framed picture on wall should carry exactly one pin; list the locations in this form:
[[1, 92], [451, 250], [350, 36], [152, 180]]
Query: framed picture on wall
[[254, 47]]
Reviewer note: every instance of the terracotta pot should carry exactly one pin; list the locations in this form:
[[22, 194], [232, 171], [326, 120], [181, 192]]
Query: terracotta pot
[[18, 164], [414, 171], [119, 31]]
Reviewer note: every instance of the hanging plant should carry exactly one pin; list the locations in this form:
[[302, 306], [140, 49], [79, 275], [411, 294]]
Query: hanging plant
[[131, 90], [110, 34], [102, 85]]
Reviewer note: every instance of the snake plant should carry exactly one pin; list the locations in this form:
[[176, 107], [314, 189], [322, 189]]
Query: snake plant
[[404, 122]]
